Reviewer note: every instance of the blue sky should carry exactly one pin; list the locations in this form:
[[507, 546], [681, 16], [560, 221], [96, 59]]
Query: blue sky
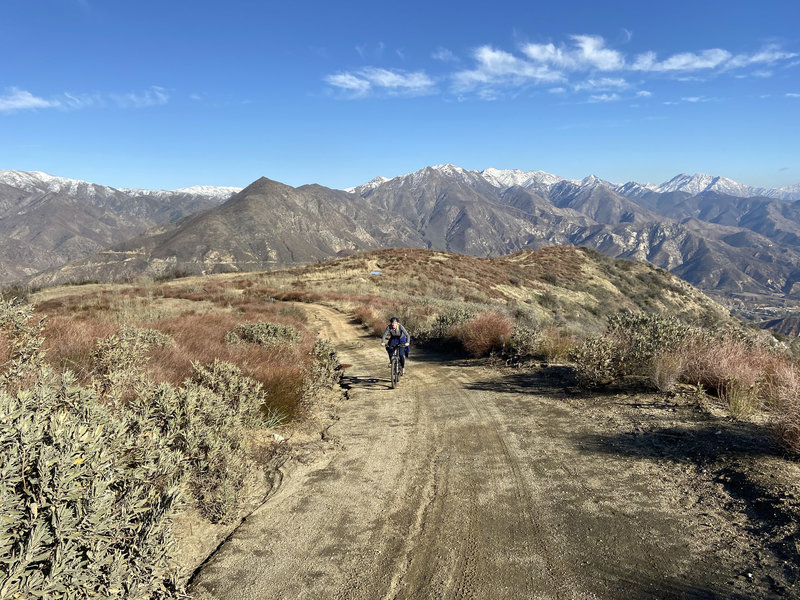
[[171, 94]]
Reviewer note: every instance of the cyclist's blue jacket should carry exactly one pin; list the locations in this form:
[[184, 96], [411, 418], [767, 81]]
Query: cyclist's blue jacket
[[400, 336]]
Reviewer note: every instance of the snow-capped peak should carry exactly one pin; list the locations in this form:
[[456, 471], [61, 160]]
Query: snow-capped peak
[[211, 192], [448, 169], [40, 182], [505, 178], [700, 182], [370, 185], [635, 190], [37, 180]]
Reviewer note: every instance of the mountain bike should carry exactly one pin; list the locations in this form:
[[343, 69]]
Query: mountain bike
[[397, 370]]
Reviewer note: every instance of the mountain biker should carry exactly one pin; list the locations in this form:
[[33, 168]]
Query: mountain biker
[[396, 334]]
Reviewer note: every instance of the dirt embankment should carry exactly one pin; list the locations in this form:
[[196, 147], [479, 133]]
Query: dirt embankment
[[475, 482]]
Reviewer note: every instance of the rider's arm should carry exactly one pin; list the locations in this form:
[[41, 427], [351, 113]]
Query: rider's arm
[[405, 332], [385, 334]]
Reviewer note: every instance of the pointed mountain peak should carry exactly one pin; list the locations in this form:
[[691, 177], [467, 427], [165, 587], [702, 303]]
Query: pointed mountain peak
[[449, 169], [264, 185]]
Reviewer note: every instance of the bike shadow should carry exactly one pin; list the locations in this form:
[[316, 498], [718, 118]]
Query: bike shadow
[[366, 382]]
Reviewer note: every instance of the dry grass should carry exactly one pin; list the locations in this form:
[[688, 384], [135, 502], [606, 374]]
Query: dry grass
[[367, 317], [714, 363], [70, 340], [555, 345], [197, 321], [667, 370]]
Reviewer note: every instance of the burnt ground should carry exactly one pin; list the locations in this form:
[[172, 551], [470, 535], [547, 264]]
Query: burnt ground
[[476, 481]]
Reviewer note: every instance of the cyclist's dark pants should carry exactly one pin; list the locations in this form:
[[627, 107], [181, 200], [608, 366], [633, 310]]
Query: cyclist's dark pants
[[402, 354]]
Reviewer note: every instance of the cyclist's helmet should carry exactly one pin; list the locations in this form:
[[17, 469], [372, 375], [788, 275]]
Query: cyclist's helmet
[[394, 319]]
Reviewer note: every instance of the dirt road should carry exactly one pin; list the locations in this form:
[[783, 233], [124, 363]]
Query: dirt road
[[475, 482]]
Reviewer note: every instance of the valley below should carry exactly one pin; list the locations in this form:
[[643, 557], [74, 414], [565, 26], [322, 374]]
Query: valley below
[[473, 480]]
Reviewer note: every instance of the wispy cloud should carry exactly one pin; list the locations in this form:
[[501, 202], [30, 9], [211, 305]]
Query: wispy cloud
[[367, 51], [685, 61], [588, 52], [792, 95], [444, 55], [373, 80], [714, 58], [596, 98], [155, 96], [603, 83], [496, 69], [16, 99], [583, 64], [692, 100]]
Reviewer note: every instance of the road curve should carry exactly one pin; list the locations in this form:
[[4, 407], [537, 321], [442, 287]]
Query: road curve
[[468, 482]]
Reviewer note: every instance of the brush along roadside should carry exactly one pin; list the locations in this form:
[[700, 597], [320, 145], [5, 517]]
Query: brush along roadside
[[126, 470]]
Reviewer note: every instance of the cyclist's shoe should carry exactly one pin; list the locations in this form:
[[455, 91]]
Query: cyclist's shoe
[[404, 372], [390, 364]]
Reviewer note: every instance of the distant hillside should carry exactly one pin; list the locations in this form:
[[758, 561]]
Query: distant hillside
[[47, 221], [573, 288], [719, 242], [789, 326]]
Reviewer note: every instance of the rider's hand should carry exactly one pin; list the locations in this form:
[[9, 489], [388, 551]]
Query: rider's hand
[[408, 344]]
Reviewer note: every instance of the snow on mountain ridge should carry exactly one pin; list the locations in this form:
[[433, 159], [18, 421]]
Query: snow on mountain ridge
[[700, 182], [39, 181], [505, 178], [370, 185]]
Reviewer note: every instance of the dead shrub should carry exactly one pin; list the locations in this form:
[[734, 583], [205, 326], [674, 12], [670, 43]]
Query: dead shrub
[[367, 317], [484, 333], [713, 362]]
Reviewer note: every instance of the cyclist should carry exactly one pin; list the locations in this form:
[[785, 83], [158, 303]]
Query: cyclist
[[396, 334]]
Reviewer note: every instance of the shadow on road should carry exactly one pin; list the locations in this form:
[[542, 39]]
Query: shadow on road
[[549, 380], [723, 451]]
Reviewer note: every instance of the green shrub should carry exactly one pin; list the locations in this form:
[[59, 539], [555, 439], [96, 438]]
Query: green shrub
[[25, 341], [443, 325], [263, 333], [324, 371], [641, 337], [595, 361], [245, 396], [119, 359], [525, 342], [634, 344], [88, 489], [85, 507], [209, 435]]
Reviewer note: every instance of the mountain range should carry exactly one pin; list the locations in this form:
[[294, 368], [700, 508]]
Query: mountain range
[[711, 231], [47, 221]]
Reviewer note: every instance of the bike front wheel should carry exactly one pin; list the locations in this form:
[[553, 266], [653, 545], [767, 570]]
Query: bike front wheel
[[395, 371]]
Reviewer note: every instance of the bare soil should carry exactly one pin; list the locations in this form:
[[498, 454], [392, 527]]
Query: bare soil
[[475, 481]]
